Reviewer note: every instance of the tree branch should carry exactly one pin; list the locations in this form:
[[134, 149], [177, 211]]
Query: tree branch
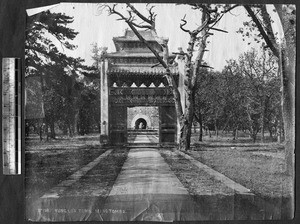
[[267, 23], [142, 26], [141, 38], [267, 39], [184, 22], [224, 31], [150, 21], [229, 9]]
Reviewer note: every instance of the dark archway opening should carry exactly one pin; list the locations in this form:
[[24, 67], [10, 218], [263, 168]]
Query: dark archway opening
[[140, 123]]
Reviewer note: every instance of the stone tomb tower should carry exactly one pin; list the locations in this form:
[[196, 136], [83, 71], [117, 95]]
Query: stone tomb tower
[[130, 79]]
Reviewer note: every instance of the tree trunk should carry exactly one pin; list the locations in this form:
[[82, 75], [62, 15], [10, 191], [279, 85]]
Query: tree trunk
[[99, 127], [47, 131], [76, 119], [52, 130], [263, 124], [279, 130], [287, 59], [263, 102], [41, 129], [235, 135], [278, 135], [288, 107], [70, 126], [225, 126], [191, 74], [199, 120], [271, 133], [251, 129], [201, 134], [216, 128], [201, 128], [254, 138], [186, 123], [70, 131], [78, 127]]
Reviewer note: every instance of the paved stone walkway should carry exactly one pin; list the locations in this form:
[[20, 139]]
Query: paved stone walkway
[[146, 172], [147, 190]]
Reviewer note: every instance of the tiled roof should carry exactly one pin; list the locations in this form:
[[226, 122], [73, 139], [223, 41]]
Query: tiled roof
[[135, 54], [132, 54], [141, 70], [148, 35]]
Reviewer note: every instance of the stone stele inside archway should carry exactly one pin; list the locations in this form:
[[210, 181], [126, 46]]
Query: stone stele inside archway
[[140, 123], [138, 119]]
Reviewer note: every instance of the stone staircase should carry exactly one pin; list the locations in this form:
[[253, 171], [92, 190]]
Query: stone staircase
[[143, 136]]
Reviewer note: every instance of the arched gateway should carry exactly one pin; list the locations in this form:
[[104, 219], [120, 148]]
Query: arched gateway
[[138, 119], [128, 79]]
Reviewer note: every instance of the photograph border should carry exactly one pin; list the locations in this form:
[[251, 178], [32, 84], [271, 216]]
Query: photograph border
[[12, 44]]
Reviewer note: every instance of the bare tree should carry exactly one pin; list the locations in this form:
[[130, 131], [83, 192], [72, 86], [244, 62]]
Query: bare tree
[[211, 14]]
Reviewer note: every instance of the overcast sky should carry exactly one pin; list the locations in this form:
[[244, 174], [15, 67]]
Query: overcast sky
[[96, 27]]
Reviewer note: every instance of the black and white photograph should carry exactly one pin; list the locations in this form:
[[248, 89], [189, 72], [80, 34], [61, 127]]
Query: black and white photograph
[[159, 112]]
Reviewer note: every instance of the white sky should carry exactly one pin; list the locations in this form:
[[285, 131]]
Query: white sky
[[96, 27]]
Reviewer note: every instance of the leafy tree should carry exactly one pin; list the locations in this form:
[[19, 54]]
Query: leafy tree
[[273, 114], [61, 96], [209, 102], [41, 32], [235, 117], [219, 100], [89, 107], [259, 71], [58, 73], [89, 110], [96, 55], [241, 97]]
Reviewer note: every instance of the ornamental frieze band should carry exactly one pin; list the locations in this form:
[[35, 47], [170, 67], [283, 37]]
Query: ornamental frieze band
[[138, 100], [166, 91]]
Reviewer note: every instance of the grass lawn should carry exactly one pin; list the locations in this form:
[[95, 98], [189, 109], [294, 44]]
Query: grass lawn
[[257, 166], [48, 163]]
